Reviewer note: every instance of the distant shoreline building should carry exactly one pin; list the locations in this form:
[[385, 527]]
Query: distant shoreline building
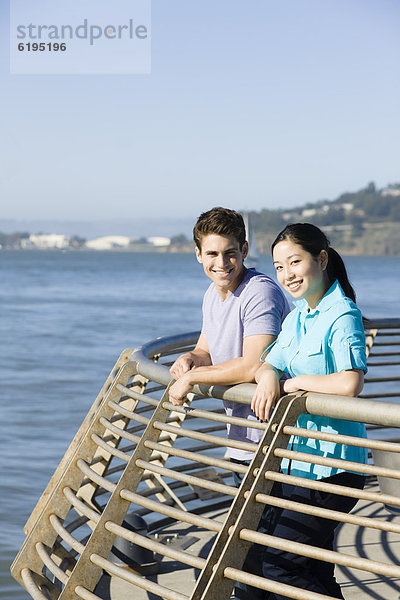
[[109, 242], [159, 241], [45, 241], [115, 242]]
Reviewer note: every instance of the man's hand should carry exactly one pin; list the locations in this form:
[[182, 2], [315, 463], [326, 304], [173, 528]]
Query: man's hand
[[199, 357], [182, 365], [179, 391]]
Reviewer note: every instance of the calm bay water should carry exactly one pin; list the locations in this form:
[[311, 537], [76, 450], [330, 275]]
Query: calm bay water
[[65, 318]]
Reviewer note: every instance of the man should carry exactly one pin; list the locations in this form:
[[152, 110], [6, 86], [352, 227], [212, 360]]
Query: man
[[242, 314]]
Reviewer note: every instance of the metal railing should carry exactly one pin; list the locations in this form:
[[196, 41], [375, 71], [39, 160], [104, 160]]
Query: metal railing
[[136, 452]]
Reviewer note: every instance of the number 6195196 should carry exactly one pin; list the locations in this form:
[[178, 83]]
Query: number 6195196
[[42, 46]]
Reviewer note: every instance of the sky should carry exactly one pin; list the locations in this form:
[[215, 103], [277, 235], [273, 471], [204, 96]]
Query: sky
[[249, 104]]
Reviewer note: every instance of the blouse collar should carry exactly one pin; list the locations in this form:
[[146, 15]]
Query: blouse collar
[[330, 298]]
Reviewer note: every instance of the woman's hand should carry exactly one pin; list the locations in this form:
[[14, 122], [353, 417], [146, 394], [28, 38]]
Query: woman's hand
[[267, 392], [291, 385]]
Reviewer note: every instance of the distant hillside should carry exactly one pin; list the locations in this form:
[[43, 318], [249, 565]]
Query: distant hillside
[[363, 222]]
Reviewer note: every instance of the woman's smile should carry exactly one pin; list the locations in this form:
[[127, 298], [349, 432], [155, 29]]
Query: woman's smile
[[294, 285]]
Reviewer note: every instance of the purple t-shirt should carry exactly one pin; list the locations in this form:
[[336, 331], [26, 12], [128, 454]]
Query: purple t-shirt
[[257, 306]]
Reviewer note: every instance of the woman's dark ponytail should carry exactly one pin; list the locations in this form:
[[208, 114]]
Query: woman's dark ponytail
[[313, 240], [337, 270]]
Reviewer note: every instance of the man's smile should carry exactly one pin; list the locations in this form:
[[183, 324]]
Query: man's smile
[[222, 271]]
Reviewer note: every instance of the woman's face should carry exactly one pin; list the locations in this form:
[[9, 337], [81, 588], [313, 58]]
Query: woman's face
[[300, 273]]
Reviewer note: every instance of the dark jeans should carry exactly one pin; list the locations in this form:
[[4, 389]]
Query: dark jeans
[[294, 569]]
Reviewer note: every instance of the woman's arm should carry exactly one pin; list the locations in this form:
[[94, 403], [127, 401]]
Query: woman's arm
[[345, 383], [267, 392]]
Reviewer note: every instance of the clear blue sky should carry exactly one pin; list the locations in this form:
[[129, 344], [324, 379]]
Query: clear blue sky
[[249, 104]]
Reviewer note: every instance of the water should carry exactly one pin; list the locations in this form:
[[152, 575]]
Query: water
[[65, 318]]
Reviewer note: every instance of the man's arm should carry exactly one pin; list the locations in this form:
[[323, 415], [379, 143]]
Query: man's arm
[[237, 370], [198, 357]]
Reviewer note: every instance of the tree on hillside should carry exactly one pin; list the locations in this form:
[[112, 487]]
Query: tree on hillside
[[267, 221], [334, 216], [179, 239], [12, 240]]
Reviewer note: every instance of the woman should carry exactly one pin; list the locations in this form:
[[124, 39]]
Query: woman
[[322, 347]]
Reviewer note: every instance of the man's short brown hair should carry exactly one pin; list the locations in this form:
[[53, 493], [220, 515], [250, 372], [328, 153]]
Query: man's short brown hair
[[220, 221]]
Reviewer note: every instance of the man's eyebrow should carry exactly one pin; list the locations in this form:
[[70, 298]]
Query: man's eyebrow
[[224, 251]]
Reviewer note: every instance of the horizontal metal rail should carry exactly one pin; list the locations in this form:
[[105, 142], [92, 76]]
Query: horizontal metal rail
[[348, 440], [333, 488], [65, 535], [338, 463], [85, 594], [133, 416], [383, 395], [203, 437], [145, 542], [271, 586], [389, 343], [110, 449], [105, 483], [206, 460], [80, 506], [119, 432], [383, 363], [388, 333], [381, 379], [190, 479], [212, 416], [129, 576], [50, 564], [175, 513], [337, 558], [31, 585], [325, 513]]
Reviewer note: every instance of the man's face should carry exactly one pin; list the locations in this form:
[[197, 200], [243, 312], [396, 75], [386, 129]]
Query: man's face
[[222, 260]]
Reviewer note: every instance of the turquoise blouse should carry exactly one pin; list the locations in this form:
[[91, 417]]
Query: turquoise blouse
[[326, 340]]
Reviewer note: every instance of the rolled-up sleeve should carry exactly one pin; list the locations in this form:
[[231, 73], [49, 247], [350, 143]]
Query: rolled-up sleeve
[[347, 342]]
